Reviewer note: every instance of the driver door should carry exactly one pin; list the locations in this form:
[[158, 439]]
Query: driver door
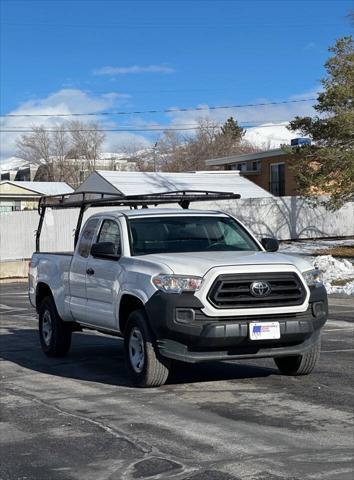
[[102, 279]]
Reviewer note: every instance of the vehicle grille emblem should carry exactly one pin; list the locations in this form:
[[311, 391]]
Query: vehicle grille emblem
[[260, 289]]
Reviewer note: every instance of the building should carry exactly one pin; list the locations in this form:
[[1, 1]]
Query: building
[[270, 169], [133, 183], [25, 195], [107, 161], [18, 169]]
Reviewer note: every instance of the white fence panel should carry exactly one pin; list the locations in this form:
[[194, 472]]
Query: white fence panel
[[284, 218]]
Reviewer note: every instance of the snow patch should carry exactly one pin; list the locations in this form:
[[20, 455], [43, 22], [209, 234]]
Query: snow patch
[[335, 269]]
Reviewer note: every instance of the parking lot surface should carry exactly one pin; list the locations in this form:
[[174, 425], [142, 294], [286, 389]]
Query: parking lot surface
[[79, 418]]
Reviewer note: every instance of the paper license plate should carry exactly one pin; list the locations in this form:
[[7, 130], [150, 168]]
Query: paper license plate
[[264, 331]]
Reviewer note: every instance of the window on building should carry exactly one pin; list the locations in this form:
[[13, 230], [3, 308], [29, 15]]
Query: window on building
[[277, 179], [256, 166]]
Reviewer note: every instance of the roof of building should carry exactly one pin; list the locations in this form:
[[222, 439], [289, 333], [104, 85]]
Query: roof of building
[[13, 163], [42, 188], [133, 183], [277, 152]]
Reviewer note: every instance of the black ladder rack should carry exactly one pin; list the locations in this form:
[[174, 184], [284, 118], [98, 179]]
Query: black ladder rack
[[85, 200]]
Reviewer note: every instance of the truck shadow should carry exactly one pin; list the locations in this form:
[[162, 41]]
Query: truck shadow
[[100, 359]]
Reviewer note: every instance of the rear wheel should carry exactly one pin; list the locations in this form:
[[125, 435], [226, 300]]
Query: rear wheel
[[300, 364], [54, 334], [147, 368]]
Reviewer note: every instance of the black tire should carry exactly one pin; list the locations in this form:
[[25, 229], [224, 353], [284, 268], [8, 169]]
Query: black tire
[[147, 368], [300, 364], [55, 339]]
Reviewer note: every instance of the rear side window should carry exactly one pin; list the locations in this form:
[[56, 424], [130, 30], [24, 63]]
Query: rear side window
[[110, 233], [87, 236]]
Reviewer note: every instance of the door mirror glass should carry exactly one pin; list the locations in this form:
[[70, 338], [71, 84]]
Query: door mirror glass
[[104, 250], [270, 244]]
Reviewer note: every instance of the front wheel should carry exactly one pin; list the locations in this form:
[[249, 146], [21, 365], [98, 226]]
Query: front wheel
[[145, 365], [300, 364], [54, 334]]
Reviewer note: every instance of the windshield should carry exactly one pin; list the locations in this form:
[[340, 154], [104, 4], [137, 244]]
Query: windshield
[[188, 234]]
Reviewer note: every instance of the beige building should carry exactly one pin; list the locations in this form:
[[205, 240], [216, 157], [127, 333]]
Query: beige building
[[25, 195]]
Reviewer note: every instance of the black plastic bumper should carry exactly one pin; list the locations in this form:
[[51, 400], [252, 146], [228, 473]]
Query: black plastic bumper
[[218, 338]]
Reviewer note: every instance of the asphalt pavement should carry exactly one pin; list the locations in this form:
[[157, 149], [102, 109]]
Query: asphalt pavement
[[79, 417]]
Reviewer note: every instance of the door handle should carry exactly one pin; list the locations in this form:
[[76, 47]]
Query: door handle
[[90, 271]]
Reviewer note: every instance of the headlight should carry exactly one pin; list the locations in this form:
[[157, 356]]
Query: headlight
[[177, 283], [313, 278]]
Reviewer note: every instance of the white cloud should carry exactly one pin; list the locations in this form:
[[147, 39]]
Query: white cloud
[[63, 101], [109, 70], [269, 136]]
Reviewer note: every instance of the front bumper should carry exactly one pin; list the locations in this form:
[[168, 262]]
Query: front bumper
[[219, 338]]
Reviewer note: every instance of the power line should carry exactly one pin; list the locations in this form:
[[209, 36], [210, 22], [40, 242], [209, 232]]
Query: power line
[[174, 125], [168, 110], [159, 129]]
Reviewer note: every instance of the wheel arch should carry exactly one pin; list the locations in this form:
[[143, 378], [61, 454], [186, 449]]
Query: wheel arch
[[128, 303], [43, 290]]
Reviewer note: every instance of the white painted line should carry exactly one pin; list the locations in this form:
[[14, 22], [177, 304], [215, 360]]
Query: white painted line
[[7, 307], [337, 351], [12, 309], [16, 294], [350, 307], [337, 329], [340, 312]]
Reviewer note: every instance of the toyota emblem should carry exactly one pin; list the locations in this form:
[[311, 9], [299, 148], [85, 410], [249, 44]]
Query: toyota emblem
[[260, 289]]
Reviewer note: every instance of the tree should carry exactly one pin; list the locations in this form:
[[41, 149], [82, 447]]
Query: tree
[[36, 148], [63, 151], [87, 140], [327, 166], [179, 153], [232, 130]]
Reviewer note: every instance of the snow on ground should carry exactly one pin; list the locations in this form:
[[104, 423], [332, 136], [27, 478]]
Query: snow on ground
[[334, 269], [308, 247]]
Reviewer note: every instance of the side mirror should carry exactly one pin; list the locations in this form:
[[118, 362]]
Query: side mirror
[[105, 250], [270, 244]]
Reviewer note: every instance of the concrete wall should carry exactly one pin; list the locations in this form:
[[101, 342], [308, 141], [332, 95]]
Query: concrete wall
[[284, 218]]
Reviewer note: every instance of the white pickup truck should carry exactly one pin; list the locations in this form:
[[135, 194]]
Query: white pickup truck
[[179, 285]]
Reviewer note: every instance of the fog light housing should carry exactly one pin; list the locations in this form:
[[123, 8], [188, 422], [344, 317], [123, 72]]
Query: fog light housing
[[185, 315], [318, 309]]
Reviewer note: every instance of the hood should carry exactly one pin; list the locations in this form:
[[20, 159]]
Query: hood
[[199, 263]]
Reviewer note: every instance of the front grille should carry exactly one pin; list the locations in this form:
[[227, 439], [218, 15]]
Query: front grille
[[234, 290]]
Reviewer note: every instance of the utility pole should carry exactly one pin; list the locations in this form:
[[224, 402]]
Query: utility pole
[[154, 155]]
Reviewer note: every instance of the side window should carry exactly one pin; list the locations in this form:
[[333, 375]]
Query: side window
[[86, 237], [110, 233]]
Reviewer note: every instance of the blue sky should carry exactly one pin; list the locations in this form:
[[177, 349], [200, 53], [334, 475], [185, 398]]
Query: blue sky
[[66, 56]]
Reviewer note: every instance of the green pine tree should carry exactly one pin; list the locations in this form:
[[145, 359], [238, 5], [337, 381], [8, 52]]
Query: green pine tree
[[327, 166], [232, 130]]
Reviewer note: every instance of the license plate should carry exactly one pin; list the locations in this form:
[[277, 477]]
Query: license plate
[[264, 331]]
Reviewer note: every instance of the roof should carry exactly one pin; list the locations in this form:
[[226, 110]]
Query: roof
[[277, 152], [42, 188], [133, 183], [143, 212], [13, 163]]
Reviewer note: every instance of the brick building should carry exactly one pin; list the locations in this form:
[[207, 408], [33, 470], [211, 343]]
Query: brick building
[[269, 169]]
